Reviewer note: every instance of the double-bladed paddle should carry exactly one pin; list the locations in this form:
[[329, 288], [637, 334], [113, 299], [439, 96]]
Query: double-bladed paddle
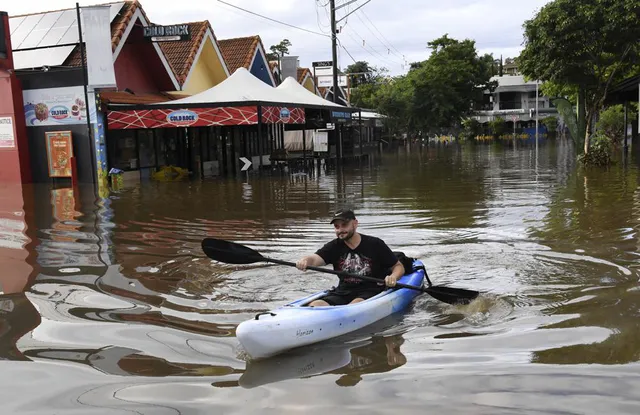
[[233, 253]]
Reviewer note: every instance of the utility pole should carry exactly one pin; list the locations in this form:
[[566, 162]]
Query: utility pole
[[334, 51]]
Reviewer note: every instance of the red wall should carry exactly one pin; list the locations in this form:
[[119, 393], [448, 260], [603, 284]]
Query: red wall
[[138, 66], [14, 162]]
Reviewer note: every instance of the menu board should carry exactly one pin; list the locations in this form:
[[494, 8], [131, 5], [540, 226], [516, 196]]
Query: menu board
[[59, 153]]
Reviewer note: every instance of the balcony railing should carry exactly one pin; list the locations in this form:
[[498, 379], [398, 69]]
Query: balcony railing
[[510, 105]]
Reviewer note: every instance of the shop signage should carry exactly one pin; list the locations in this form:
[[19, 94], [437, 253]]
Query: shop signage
[[55, 106], [285, 114], [326, 81], [341, 115], [167, 33], [59, 153], [7, 137], [322, 64], [182, 118]]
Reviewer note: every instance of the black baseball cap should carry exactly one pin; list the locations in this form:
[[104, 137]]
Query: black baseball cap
[[343, 214]]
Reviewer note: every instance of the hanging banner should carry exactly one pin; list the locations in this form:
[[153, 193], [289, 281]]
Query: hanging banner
[[7, 137], [56, 106], [96, 28], [59, 153], [202, 117]]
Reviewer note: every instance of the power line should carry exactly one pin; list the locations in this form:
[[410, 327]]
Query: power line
[[345, 49], [376, 36], [375, 27], [320, 25], [357, 8], [273, 20], [384, 58]]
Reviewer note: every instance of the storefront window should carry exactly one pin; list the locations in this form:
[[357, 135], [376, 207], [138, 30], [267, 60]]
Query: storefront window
[[122, 150], [146, 148], [171, 143], [161, 147]]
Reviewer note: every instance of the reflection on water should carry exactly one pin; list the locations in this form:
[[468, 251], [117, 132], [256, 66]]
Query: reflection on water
[[109, 305]]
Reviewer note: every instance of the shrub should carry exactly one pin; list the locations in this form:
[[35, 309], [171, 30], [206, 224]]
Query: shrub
[[599, 153]]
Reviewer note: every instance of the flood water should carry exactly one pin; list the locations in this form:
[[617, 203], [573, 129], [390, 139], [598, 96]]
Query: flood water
[[111, 307]]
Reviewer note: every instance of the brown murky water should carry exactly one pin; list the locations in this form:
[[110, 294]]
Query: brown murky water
[[110, 307]]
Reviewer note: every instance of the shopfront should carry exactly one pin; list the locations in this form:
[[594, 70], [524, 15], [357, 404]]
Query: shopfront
[[202, 151]]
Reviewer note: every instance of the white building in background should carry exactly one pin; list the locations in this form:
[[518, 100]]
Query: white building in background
[[514, 98]]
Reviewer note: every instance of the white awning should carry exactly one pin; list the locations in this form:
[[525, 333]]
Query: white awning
[[302, 95], [240, 87]]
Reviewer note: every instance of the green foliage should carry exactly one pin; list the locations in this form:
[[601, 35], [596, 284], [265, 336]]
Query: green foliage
[[551, 123], [611, 122], [582, 47], [393, 99], [279, 50], [470, 128], [599, 154], [498, 126], [446, 84], [565, 109], [366, 74], [364, 96], [436, 94]]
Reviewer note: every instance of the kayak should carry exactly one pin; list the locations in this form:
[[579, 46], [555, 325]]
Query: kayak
[[294, 325]]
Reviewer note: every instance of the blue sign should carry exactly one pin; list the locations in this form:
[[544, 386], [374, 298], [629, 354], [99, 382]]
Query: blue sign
[[341, 114], [285, 114], [182, 118]]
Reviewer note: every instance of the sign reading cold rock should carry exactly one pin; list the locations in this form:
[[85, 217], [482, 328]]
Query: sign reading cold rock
[[167, 33], [56, 106]]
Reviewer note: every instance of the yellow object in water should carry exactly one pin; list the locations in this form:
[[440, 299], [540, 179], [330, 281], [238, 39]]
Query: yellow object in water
[[170, 173]]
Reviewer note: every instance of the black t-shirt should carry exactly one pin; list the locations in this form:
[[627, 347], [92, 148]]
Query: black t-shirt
[[371, 258]]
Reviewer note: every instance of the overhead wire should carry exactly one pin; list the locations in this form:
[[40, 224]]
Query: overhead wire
[[381, 34], [376, 36], [273, 20]]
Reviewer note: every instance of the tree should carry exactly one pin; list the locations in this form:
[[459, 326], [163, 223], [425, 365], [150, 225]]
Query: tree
[[584, 46], [551, 123], [366, 74], [394, 99], [448, 83], [279, 50], [498, 126], [611, 122]]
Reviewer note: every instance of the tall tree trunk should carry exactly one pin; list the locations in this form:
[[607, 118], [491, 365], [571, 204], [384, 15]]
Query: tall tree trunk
[[587, 132], [582, 118]]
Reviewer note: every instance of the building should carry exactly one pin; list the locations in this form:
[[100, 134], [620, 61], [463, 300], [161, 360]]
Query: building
[[197, 63], [249, 53], [514, 100]]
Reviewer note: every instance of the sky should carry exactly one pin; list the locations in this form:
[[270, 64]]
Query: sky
[[385, 33]]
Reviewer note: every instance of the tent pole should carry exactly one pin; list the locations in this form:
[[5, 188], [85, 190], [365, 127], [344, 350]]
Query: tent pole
[[304, 147], [259, 137]]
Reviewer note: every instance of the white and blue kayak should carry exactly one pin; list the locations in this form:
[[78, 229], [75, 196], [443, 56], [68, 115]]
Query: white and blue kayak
[[294, 325]]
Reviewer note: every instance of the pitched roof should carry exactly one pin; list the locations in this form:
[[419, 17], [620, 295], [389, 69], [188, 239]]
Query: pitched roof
[[302, 72], [118, 27], [239, 52], [123, 97], [182, 55]]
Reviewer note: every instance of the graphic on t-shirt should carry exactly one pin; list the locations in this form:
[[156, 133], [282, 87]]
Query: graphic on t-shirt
[[355, 264]]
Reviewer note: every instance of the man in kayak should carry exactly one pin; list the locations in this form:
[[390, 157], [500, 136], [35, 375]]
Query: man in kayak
[[358, 254]]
